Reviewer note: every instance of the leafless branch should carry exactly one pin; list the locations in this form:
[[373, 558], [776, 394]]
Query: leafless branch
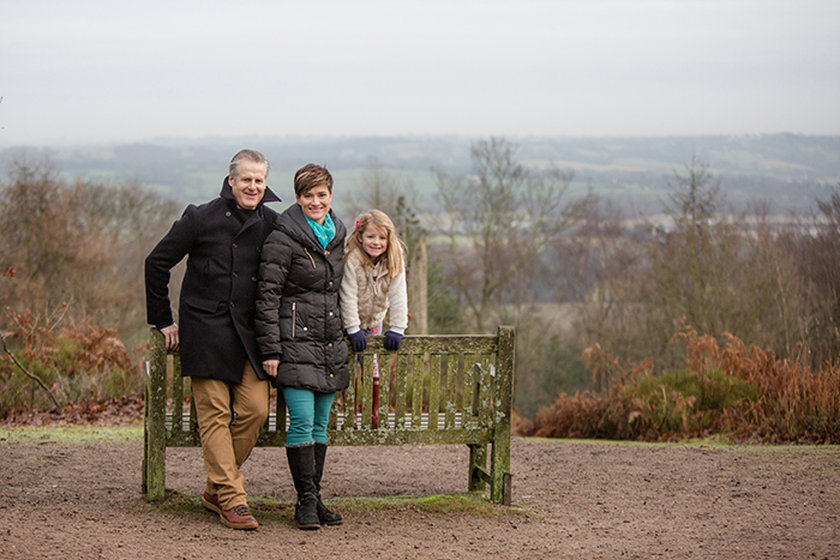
[[28, 374]]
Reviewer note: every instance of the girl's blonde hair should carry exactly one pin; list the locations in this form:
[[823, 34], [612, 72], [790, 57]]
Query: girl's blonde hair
[[395, 254]]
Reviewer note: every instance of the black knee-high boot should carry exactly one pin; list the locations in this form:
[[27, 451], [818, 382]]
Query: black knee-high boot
[[325, 516], [302, 465]]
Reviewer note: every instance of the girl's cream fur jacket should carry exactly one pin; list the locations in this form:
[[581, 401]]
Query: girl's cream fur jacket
[[367, 292]]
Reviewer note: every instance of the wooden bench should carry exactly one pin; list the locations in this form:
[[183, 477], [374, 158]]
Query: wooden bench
[[441, 389]]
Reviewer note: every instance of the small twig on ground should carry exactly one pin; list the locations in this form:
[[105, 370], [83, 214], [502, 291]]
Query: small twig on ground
[[28, 374]]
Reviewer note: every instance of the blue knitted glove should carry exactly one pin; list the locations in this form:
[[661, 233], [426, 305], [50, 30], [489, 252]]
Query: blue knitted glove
[[358, 341], [392, 340]]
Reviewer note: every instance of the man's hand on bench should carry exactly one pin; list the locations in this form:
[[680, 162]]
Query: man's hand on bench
[[170, 334]]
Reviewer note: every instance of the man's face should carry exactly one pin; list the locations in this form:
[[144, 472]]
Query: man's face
[[249, 186]]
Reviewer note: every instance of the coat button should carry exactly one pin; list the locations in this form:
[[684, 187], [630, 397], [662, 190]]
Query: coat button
[[235, 275], [326, 252], [330, 344], [331, 283], [331, 313], [235, 245], [331, 375], [227, 213], [232, 304]]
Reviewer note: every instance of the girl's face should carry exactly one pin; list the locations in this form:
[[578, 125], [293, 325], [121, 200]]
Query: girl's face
[[315, 203], [374, 241]]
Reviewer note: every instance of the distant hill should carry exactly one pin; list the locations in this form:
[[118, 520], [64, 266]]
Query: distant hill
[[789, 170]]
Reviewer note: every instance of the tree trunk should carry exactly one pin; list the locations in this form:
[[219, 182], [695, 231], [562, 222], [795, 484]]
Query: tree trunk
[[417, 281]]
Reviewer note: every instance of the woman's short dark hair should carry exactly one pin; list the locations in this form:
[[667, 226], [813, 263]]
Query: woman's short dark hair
[[310, 176]]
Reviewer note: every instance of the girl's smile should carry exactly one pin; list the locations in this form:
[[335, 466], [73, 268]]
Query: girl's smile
[[374, 241]]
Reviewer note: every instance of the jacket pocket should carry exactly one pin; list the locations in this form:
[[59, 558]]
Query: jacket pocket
[[207, 305]]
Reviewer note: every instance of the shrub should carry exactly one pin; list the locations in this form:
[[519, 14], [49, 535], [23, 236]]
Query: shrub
[[729, 390], [82, 362]]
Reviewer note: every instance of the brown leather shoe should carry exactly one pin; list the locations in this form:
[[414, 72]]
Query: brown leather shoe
[[238, 517], [211, 502]]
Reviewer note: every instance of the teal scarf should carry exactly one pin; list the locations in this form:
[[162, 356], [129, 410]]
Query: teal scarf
[[323, 232]]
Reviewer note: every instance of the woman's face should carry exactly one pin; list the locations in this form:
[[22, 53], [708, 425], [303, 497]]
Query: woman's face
[[315, 203]]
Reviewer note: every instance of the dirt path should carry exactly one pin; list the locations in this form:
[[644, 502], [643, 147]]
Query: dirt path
[[574, 500]]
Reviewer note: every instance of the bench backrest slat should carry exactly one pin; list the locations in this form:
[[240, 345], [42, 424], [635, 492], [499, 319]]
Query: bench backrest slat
[[417, 389]]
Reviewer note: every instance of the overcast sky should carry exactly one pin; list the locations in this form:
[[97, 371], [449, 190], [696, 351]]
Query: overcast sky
[[88, 71]]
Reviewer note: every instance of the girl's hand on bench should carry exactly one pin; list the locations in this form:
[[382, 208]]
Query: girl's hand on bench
[[392, 340], [358, 341]]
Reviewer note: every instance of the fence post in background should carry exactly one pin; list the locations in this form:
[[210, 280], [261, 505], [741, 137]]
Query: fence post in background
[[417, 285]]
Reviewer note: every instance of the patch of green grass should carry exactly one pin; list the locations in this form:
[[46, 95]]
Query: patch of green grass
[[717, 441], [712, 390], [471, 503], [271, 509], [266, 509], [593, 441], [71, 434]]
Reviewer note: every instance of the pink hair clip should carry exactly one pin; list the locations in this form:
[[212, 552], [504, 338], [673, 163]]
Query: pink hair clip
[[357, 225]]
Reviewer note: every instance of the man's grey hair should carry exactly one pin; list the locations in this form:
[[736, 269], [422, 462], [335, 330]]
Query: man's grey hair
[[251, 155]]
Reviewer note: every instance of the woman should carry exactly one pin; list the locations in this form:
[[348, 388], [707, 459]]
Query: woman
[[299, 330]]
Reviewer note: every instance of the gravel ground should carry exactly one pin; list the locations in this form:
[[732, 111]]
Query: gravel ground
[[571, 500]]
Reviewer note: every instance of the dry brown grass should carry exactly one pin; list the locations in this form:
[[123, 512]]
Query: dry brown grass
[[78, 362], [740, 392]]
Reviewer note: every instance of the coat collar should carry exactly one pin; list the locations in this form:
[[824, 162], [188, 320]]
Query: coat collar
[[227, 193], [295, 224]]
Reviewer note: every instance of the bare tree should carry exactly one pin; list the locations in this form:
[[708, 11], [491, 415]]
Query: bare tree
[[499, 219], [77, 241], [377, 188], [720, 274], [816, 249], [380, 189]]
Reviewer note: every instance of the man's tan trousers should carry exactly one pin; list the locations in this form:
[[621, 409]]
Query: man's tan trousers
[[230, 417]]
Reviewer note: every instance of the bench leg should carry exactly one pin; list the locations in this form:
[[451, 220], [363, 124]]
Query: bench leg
[[144, 482], [154, 436], [500, 471], [503, 397], [478, 462], [154, 464]]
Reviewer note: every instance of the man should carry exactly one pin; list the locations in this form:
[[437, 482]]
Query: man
[[222, 240]]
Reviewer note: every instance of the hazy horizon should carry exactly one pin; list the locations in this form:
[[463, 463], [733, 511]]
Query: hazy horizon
[[92, 71]]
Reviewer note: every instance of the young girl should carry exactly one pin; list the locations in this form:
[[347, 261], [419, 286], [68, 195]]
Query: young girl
[[373, 282]]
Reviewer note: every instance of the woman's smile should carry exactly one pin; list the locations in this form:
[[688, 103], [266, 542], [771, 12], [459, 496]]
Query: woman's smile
[[315, 203]]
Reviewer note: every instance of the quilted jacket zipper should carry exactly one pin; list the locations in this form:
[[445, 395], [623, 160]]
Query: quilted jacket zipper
[[308, 254]]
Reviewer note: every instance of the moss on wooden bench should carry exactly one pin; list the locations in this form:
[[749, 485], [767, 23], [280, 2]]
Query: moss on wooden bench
[[439, 389]]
